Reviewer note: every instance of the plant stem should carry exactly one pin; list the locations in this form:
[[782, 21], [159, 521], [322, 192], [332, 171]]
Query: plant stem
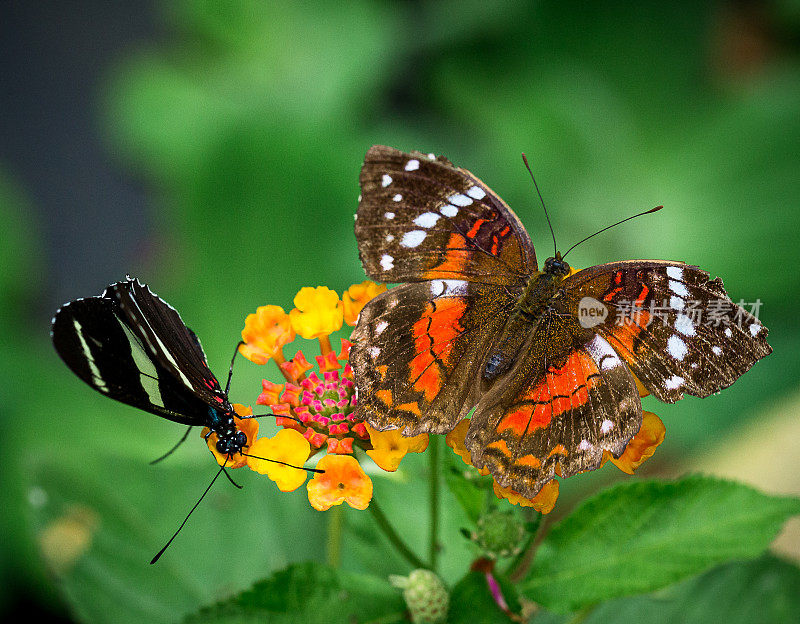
[[433, 476], [334, 546], [383, 523]]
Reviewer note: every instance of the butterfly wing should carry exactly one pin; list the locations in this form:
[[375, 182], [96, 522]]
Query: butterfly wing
[[421, 218], [133, 347], [570, 398], [418, 351], [676, 329]]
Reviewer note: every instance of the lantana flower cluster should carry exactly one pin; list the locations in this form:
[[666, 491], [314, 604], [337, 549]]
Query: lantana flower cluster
[[315, 404], [315, 408]]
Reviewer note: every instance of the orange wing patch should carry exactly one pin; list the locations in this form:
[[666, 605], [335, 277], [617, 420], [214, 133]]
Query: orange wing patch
[[385, 396], [561, 390], [434, 334], [625, 335], [456, 256]]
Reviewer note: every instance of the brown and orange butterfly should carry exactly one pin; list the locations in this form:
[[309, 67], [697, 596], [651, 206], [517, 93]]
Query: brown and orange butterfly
[[478, 325]]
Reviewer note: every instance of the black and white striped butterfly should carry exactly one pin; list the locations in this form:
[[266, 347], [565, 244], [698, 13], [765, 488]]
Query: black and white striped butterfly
[[132, 346]]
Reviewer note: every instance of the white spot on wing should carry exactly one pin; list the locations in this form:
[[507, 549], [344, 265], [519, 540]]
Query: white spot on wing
[[602, 353], [717, 350], [386, 180], [754, 329], [448, 210], [388, 215], [448, 288], [684, 325], [606, 426], [675, 272], [413, 238], [380, 326], [397, 197], [678, 288], [674, 382], [476, 192], [387, 262], [728, 332], [459, 200], [374, 352], [676, 303], [412, 165], [427, 219], [389, 238], [677, 348]]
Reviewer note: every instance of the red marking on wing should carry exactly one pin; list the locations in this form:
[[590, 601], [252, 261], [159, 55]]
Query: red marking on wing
[[434, 334], [625, 335], [473, 232], [561, 390], [455, 259], [642, 296]]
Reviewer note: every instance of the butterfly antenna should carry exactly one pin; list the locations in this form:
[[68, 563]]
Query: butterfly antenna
[[541, 199], [656, 209], [161, 552], [230, 370], [276, 461]]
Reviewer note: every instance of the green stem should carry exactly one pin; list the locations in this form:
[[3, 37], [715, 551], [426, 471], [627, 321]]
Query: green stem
[[383, 523], [433, 476], [581, 615], [334, 546]]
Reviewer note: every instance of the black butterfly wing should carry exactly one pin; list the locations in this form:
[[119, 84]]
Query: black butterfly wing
[[133, 347]]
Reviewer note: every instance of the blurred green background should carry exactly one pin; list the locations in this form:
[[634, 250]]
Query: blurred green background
[[212, 148]]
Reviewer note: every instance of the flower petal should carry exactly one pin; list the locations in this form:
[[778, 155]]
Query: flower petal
[[357, 296], [318, 312], [265, 333], [286, 446], [543, 502], [455, 440], [389, 447], [343, 481], [643, 444]]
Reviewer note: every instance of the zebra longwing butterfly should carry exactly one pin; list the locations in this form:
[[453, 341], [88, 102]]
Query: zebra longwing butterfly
[[132, 346]]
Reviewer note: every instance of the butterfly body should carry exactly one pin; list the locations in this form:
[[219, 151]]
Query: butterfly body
[[132, 346], [540, 293], [546, 361]]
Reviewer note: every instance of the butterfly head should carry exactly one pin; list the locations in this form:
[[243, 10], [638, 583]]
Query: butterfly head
[[556, 266], [231, 442]]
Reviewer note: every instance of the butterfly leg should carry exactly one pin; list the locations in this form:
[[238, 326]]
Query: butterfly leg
[[174, 448]]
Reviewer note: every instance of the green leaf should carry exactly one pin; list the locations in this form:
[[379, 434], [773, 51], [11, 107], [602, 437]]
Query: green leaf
[[467, 489], [642, 536], [763, 591], [310, 593], [471, 600]]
